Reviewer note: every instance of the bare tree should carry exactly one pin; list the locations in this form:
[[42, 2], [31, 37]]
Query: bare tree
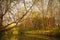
[[5, 8]]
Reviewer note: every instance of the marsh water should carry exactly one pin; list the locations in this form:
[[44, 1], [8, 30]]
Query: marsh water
[[29, 37], [24, 36], [37, 38]]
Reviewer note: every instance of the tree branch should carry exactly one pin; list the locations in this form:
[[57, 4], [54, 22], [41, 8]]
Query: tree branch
[[7, 9], [24, 5], [18, 20]]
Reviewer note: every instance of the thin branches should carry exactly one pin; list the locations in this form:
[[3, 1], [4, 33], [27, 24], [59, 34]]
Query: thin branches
[[8, 6], [24, 5], [18, 20], [25, 13]]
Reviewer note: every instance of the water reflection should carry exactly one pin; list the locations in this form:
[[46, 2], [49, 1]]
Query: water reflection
[[21, 36], [29, 37], [35, 37]]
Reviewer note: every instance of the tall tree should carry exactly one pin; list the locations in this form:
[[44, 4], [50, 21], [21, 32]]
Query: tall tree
[[5, 8]]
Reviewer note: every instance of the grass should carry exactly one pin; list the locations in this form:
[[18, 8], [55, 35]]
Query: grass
[[54, 32]]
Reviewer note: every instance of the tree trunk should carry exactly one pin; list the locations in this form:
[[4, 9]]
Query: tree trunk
[[1, 25], [1, 20]]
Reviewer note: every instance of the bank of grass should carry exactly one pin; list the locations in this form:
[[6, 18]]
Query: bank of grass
[[54, 32]]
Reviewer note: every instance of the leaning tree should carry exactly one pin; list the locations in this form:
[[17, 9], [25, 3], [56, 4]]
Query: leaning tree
[[8, 8]]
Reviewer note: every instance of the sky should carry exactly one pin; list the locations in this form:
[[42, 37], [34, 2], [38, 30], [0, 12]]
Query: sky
[[29, 3]]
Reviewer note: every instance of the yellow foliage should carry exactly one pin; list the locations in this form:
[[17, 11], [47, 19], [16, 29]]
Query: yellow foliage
[[12, 25], [6, 32], [14, 29], [13, 38], [15, 32], [34, 14]]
